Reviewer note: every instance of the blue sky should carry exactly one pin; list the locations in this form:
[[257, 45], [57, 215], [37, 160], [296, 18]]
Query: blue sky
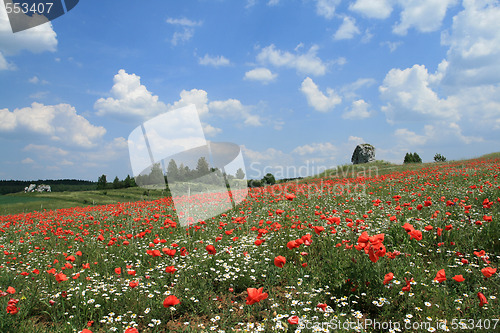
[[295, 83]]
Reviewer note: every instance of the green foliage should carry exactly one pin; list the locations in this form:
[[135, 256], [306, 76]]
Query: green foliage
[[439, 158], [202, 167], [254, 183], [172, 171], [116, 183], [102, 182], [268, 179], [412, 158]]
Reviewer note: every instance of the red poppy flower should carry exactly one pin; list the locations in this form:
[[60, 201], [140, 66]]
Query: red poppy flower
[[417, 234], [322, 306], [259, 242], [211, 249], [293, 320], [118, 270], [280, 261], [291, 244], [60, 277], [11, 290], [131, 330], [480, 253], [388, 278], [170, 269], [482, 299], [318, 229], [133, 284], [408, 227], [255, 295], [170, 301], [488, 271], [290, 196], [408, 285], [458, 278], [440, 276]]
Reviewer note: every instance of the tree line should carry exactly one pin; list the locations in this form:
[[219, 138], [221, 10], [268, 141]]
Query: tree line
[[175, 173]]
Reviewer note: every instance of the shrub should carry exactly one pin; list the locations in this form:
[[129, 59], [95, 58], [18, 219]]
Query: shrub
[[439, 158], [412, 158]]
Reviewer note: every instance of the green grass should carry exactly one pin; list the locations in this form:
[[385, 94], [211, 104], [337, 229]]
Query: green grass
[[27, 202]]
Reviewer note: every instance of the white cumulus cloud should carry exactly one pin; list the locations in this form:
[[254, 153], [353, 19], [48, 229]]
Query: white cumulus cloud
[[215, 61], [59, 123], [347, 29], [379, 9], [260, 74], [359, 110], [423, 15], [129, 98], [326, 8], [317, 99], [307, 63], [410, 96], [474, 45], [235, 109], [36, 40]]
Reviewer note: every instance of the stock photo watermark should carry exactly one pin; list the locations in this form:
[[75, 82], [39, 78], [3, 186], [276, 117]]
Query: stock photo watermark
[[26, 14], [204, 178]]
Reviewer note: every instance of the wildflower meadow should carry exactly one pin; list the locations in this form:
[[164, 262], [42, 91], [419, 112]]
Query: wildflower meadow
[[407, 250]]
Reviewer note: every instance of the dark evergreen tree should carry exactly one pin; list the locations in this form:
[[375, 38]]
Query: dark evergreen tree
[[102, 182], [116, 183]]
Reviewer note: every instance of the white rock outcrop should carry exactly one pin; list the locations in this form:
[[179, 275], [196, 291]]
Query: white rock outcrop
[[363, 153]]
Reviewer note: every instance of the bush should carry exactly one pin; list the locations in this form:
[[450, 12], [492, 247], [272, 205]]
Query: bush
[[439, 158], [268, 179], [412, 158]]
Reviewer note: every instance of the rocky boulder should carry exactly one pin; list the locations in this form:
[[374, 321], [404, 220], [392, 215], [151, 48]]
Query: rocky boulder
[[363, 153]]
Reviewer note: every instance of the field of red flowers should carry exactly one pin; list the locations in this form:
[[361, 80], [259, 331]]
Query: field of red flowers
[[407, 251]]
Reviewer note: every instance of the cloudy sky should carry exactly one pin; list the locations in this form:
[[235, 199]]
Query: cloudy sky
[[296, 83]]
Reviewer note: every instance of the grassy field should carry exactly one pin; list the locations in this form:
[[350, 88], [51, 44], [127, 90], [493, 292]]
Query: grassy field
[[410, 249], [27, 202]]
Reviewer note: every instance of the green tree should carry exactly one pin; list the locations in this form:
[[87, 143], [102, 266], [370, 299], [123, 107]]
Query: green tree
[[416, 158], [172, 171], [439, 158], [240, 174], [412, 158], [202, 167], [102, 182], [156, 175], [116, 183], [127, 182], [268, 179]]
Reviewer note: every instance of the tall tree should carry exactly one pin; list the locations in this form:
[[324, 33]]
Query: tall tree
[[202, 166], [116, 183], [127, 182], [172, 171], [101, 182]]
